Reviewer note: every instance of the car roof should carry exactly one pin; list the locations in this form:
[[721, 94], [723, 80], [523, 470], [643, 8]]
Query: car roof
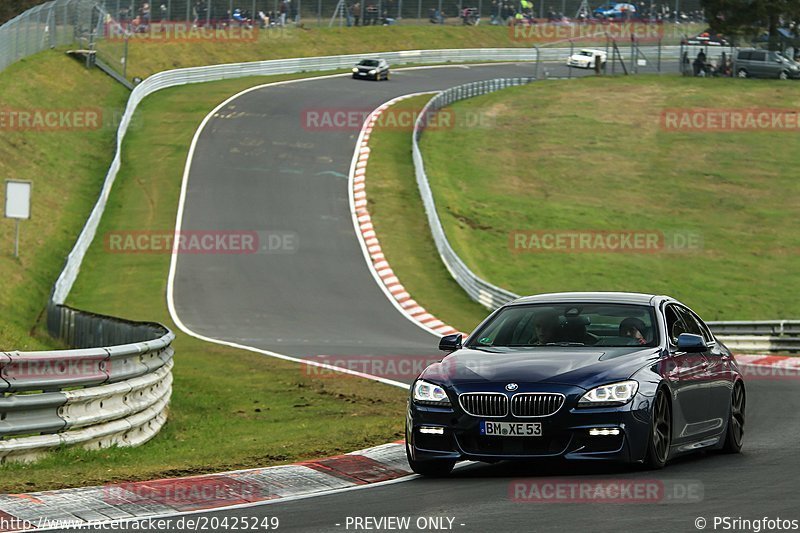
[[589, 297]]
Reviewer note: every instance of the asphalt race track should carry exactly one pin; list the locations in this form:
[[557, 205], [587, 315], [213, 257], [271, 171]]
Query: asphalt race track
[[257, 168], [760, 482]]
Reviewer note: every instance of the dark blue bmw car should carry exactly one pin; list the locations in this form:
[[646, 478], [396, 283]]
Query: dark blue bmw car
[[626, 377]]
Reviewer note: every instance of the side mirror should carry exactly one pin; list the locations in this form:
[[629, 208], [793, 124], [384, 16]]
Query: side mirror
[[691, 343], [450, 343]]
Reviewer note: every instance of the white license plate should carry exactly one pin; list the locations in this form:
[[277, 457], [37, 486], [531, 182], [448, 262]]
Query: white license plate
[[511, 429], [362, 73]]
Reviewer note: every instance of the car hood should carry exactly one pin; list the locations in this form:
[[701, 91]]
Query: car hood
[[582, 367]]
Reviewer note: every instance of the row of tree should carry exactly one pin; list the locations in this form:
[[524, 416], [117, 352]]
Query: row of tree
[[751, 18], [11, 8]]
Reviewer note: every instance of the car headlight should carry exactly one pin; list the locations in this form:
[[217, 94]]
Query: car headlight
[[794, 67], [355, 69], [373, 71], [612, 394], [429, 394]]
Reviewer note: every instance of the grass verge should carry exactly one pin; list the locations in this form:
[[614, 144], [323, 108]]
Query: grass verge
[[66, 167], [560, 159], [230, 408], [399, 218]]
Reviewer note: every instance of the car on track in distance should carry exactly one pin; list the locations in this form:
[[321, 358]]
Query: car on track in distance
[[376, 69], [615, 10], [622, 377], [707, 38], [585, 58]]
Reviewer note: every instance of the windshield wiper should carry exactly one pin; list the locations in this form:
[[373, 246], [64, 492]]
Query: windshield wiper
[[565, 344]]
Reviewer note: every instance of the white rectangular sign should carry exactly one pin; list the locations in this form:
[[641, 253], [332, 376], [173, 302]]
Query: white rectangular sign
[[18, 199]]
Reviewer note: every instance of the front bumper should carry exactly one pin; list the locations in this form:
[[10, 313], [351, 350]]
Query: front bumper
[[578, 64], [566, 433], [365, 75]]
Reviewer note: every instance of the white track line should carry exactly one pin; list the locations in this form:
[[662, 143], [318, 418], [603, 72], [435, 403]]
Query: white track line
[[174, 260], [179, 221]]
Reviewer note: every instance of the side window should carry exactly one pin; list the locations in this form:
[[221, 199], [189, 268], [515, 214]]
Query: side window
[[744, 56], [759, 56], [675, 325], [702, 329], [691, 323]]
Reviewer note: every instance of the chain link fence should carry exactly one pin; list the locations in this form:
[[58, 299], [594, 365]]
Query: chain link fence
[[102, 29], [57, 23], [368, 12]]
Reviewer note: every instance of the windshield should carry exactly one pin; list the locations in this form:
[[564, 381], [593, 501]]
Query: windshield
[[369, 63], [586, 53], [569, 324]]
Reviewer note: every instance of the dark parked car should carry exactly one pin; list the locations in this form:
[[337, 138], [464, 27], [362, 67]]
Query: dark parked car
[[626, 377], [376, 69], [755, 63]]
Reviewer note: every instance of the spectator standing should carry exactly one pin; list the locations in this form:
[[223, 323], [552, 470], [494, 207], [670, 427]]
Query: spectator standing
[[144, 14], [700, 64]]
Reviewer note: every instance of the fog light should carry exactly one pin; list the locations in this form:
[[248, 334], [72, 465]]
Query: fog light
[[603, 432], [431, 430]]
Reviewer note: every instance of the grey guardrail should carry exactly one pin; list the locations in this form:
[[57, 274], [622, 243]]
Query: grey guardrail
[[775, 335], [480, 290], [93, 397], [759, 335]]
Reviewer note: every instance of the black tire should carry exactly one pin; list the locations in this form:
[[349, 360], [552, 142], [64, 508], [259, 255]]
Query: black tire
[[783, 75], [435, 468], [742, 73], [660, 433], [736, 418]]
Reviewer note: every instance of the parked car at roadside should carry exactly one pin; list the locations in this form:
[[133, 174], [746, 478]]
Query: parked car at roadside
[[755, 63]]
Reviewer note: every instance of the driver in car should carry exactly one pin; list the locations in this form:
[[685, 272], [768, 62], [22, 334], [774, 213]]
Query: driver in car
[[547, 327], [633, 328]]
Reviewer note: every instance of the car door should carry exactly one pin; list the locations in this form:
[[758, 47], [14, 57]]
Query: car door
[[759, 64], [685, 373], [720, 375]]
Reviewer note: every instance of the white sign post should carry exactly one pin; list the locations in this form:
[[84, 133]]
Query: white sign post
[[18, 205]]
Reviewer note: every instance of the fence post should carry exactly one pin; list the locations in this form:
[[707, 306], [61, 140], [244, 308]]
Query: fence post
[[658, 65]]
